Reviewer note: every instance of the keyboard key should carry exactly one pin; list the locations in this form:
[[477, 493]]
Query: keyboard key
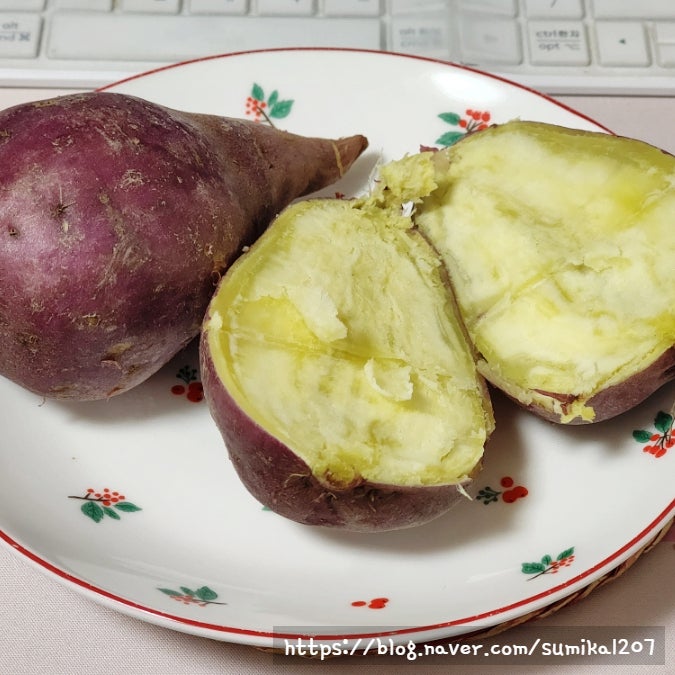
[[158, 6], [169, 38], [488, 40], [351, 7], [23, 5], [634, 9], [556, 9], [423, 35], [666, 53], [19, 35], [417, 6], [218, 6], [286, 7], [664, 34], [622, 43], [499, 7], [557, 43], [89, 5]]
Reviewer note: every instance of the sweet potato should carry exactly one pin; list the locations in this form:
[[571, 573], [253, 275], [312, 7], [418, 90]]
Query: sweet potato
[[117, 218], [338, 371], [561, 249], [342, 355]]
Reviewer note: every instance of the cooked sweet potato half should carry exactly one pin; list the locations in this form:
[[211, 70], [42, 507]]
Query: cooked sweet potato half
[[561, 249], [338, 371]]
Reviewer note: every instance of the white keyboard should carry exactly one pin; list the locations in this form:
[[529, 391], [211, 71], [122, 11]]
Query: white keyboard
[[556, 46]]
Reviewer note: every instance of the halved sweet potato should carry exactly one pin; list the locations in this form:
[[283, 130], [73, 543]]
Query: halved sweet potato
[[342, 369], [561, 248], [338, 372]]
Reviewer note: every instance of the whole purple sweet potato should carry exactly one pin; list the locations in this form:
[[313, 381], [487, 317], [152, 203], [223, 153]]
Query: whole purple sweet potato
[[117, 218]]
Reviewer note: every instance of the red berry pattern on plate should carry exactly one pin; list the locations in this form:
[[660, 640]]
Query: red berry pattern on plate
[[657, 444], [98, 505], [473, 120], [375, 603], [547, 565], [260, 107], [509, 494], [192, 387], [201, 596]]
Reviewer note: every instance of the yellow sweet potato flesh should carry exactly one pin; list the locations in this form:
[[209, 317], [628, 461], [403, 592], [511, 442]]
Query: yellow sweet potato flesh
[[336, 335]]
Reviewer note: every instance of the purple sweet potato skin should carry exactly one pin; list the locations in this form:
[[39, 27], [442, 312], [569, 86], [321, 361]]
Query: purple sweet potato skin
[[621, 397], [117, 218], [284, 483]]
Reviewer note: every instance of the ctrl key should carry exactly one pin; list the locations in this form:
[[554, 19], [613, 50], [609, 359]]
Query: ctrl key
[[19, 36]]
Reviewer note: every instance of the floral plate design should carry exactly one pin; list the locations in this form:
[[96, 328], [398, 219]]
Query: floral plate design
[[134, 503]]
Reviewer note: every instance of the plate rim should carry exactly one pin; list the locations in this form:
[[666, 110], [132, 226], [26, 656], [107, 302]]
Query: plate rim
[[133, 608], [354, 50]]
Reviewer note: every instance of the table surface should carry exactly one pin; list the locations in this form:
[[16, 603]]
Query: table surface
[[48, 628]]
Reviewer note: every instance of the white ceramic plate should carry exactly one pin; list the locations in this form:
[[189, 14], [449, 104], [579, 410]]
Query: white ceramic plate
[[177, 540]]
